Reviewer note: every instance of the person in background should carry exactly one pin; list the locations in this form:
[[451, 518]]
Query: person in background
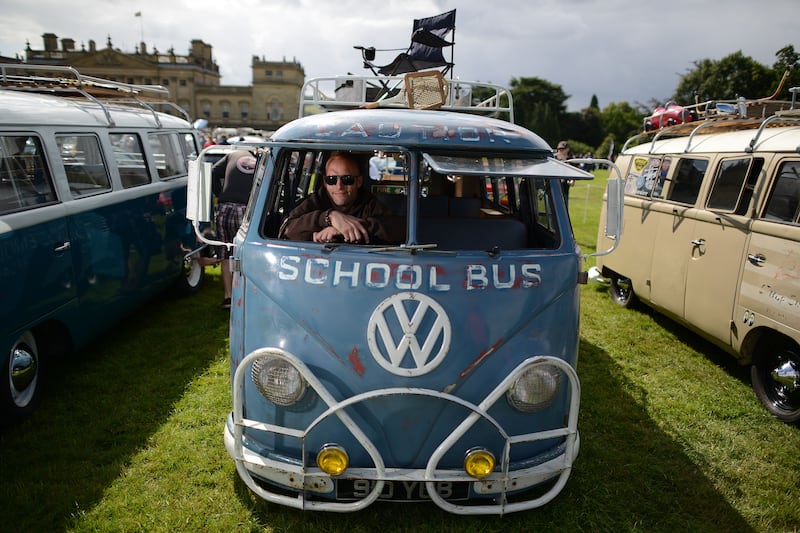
[[562, 154], [342, 210], [232, 180]]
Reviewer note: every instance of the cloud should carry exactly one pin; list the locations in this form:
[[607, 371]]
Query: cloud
[[614, 49]]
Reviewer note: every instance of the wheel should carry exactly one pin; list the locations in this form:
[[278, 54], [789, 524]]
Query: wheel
[[775, 375], [192, 275], [21, 382], [622, 291]]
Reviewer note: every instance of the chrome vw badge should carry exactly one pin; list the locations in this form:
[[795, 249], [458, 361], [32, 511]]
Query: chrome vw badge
[[409, 323]]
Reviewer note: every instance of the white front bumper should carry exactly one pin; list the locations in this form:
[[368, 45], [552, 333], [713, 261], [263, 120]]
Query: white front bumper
[[311, 481]]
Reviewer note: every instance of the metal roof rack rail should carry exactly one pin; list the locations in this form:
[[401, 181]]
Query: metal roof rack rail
[[416, 90], [67, 81], [724, 115], [788, 115]]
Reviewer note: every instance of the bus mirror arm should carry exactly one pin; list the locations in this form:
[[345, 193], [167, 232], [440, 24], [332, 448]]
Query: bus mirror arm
[[615, 202]]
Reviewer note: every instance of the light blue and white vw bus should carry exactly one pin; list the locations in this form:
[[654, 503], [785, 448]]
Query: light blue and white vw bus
[[441, 367]]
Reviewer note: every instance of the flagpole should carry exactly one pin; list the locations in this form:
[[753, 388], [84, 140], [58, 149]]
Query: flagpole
[[141, 26]]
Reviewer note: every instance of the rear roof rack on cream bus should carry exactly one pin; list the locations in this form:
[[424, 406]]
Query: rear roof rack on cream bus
[[416, 90], [66, 81], [717, 116]]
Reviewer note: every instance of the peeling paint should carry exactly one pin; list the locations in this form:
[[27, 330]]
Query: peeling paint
[[358, 366], [319, 337], [483, 355]]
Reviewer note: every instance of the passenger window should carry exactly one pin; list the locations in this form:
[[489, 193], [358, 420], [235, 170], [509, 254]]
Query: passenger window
[[129, 154], [686, 180], [168, 155], [543, 214], [83, 163], [189, 146], [297, 180], [734, 184], [642, 175], [24, 177], [647, 175], [783, 204], [728, 184], [661, 178]]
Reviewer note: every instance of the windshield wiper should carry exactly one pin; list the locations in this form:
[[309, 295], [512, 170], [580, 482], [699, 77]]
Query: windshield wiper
[[411, 248]]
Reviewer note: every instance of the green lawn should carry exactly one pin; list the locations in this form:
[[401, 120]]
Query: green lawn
[[129, 437]]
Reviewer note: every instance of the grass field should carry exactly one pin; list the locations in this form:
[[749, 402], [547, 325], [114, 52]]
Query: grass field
[[129, 436]]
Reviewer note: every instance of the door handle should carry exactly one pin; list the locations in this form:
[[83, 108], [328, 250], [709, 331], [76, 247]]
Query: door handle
[[63, 247], [756, 259], [698, 242]]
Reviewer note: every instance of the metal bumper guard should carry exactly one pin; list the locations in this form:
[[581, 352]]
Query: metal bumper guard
[[313, 480]]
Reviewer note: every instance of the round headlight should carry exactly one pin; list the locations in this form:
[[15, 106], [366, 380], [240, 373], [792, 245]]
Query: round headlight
[[332, 459], [479, 463], [535, 388], [278, 381]]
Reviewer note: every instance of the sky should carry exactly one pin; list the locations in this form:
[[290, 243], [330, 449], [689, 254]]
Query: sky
[[618, 50]]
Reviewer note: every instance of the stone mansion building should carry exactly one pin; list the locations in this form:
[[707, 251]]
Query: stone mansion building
[[193, 80]]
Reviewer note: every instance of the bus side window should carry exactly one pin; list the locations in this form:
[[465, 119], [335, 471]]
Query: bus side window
[[783, 204], [189, 146], [24, 177], [83, 163], [129, 155], [733, 184], [686, 181], [168, 154]]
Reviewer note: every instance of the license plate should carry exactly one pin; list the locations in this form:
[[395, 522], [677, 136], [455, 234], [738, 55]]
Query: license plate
[[356, 489]]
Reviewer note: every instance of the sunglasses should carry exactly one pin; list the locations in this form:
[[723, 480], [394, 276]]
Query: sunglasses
[[347, 179]]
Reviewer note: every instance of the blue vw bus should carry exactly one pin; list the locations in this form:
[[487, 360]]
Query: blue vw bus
[[441, 367], [92, 215]]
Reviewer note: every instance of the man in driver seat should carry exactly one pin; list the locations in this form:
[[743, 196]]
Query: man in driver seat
[[343, 211]]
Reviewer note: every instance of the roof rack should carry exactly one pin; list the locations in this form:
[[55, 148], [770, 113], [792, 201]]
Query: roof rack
[[716, 116], [416, 90], [68, 82]]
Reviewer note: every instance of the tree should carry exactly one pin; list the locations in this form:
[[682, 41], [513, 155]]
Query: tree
[[728, 78], [787, 58], [620, 121], [539, 106]]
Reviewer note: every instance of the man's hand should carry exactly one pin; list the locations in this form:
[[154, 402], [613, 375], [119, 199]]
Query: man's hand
[[349, 227], [328, 234]]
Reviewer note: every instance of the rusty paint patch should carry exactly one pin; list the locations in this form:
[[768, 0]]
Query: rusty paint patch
[[355, 361]]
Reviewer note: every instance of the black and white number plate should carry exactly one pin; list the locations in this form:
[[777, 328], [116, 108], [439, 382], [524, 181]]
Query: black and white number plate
[[356, 489]]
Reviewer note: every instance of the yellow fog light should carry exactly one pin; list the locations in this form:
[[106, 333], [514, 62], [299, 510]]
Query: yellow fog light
[[479, 463], [332, 459]]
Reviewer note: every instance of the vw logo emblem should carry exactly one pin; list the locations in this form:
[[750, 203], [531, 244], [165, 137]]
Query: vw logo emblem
[[409, 334]]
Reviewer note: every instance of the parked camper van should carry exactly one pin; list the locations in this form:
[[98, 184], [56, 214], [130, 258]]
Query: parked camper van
[[712, 236], [92, 214], [439, 366]]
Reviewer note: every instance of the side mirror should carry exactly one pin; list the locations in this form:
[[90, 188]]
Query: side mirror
[[198, 191], [198, 197]]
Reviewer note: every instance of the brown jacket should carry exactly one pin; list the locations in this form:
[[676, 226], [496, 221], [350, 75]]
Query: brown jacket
[[383, 226]]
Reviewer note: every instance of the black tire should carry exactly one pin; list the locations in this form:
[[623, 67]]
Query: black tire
[[621, 291], [775, 376], [22, 379]]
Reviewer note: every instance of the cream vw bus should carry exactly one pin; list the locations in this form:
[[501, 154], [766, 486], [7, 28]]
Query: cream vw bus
[[712, 231]]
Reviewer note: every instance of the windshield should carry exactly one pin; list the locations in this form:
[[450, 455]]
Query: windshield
[[444, 203]]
